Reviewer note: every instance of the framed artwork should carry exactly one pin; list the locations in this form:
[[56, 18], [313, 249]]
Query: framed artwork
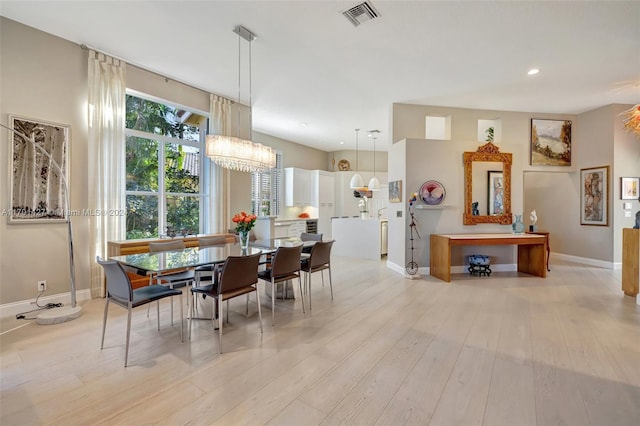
[[432, 192], [550, 142], [594, 196], [629, 188], [38, 193], [395, 191], [495, 202]]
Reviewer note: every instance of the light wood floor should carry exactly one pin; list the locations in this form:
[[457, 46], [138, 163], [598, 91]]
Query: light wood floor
[[506, 350]]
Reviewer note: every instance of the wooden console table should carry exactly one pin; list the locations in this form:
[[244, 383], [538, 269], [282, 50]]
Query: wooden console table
[[531, 251], [630, 261], [546, 234]]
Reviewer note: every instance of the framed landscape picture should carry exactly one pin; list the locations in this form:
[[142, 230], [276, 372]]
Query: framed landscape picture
[[629, 188], [594, 196], [550, 142], [38, 192]]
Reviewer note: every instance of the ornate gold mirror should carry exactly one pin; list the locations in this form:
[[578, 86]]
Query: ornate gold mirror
[[487, 186]]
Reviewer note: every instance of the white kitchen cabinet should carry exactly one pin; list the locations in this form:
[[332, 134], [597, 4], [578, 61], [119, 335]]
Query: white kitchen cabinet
[[297, 228], [323, 183], [297, 187]]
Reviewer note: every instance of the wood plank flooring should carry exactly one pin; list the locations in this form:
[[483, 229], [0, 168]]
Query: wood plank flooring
[[509, 350]]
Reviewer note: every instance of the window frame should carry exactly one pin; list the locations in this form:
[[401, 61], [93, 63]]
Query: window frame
[[163, 140]]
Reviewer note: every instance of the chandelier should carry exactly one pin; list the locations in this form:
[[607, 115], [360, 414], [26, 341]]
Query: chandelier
[[631, 120], [233, 152]]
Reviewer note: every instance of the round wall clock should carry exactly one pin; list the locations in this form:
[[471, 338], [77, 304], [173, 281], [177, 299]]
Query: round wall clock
[[343, 165]]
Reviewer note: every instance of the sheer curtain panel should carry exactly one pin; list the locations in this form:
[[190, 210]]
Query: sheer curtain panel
[[219, 177], [107, 204]]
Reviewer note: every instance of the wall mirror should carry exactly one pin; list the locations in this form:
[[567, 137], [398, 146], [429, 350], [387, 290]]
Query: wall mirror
[[487, 186]]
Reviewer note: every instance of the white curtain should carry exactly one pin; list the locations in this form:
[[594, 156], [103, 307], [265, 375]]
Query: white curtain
[[107, 105], [219, 177]]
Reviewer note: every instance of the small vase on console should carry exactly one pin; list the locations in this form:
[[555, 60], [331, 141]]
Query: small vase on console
[[518, 225]]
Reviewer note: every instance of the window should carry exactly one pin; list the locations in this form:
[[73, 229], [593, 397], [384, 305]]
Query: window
[[266, 190], [164, 151]]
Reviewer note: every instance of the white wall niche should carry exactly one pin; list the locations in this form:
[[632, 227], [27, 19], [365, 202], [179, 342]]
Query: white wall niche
[[438, 127], [484, 125]]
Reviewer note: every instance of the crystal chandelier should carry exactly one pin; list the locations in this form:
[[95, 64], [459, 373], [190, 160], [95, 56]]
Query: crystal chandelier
[[233, 152]]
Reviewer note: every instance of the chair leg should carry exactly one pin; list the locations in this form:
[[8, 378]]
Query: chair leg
[[301, 292], [273, 302], [104, 321], [126, 350], [220, 321], [259, 309], [309, 295], [330, 283], [158, 309], [191, 309], [227, 311], [181, 320], [247, 311]]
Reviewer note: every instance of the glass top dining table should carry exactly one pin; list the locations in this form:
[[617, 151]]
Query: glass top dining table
[[199, 256]]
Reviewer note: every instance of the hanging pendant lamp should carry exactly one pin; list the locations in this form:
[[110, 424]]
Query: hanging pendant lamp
[[374, 183], [234, 152], [356, 180]]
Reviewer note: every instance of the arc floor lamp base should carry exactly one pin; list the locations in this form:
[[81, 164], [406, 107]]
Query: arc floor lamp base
[[59, 315]]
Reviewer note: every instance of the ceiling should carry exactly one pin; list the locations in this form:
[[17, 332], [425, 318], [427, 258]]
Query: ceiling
[[311, 65]]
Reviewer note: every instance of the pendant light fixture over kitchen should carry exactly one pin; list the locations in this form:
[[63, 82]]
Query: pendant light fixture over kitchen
[[374, 183], [356, 180]]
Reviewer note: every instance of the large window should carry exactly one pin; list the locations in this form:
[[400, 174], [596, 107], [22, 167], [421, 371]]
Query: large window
[[266, 190], [164, 167]]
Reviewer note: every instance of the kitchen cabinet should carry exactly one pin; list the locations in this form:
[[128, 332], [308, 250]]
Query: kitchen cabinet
[[324, 199], [297, 187]]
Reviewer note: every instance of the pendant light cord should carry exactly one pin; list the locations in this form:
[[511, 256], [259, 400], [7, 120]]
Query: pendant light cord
[[357, 163], [238, 124]]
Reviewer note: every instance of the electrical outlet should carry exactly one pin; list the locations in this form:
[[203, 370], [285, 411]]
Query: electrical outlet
[[42, 285]]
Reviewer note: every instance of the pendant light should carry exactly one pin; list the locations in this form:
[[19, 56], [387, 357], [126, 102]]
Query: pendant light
[[374, 183], [234, 152], [356, 180]]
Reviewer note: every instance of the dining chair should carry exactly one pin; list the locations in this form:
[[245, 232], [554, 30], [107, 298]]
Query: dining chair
[[205, 272], [120, 292], [285, 266], [237, 276], [318, 261], [176, 279], [305, 236]]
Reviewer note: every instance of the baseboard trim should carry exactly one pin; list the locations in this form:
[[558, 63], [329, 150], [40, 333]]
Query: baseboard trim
[[14, 308], [584, 260]]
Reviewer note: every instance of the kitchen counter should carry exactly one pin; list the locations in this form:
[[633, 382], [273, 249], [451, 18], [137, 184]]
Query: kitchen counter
[[359, 238]]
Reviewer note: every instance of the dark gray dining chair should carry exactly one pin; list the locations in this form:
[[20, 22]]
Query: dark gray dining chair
[[309, 237], [285, 266], [120, 292], [318, 261], [238, 276]]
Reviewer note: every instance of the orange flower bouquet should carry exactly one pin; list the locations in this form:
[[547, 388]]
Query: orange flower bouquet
[[244, 222]]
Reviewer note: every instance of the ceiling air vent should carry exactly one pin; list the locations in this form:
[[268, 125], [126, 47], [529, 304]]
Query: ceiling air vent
[[361, 13]]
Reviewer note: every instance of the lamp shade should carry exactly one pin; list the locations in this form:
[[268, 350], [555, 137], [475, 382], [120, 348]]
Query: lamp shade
[[356, 182], [374, 184]]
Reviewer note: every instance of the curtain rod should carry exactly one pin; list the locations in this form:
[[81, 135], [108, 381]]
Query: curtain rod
[[85, 47]]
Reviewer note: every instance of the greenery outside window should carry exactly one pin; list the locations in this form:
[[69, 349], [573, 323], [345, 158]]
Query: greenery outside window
[[164, 157]]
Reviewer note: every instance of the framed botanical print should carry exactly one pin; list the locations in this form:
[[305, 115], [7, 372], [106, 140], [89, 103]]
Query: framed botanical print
[[594, 196], [395, 191], [550, 142], [39, 154]]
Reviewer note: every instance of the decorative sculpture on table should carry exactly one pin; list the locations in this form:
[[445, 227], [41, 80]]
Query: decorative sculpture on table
[[474, 209], [534, 218], [412, 267]]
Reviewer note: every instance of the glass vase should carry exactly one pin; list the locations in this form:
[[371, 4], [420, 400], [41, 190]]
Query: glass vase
[[244, 239]]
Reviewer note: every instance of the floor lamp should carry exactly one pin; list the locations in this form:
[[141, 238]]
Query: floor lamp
[[65, 313]]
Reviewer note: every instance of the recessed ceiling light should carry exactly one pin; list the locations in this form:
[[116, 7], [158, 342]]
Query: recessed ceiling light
[[341, 142], [303, 124], [533, 71]]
